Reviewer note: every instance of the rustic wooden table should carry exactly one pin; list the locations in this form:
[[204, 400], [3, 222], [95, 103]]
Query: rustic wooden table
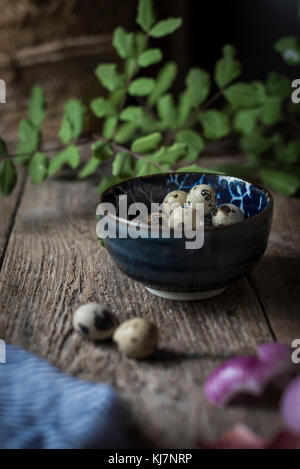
[[51, 262]]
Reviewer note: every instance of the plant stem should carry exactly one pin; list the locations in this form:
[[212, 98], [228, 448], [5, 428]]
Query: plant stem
[[79, 142], [120, 148], [201, 109], [83, 141], [128, 83], [170, 136]]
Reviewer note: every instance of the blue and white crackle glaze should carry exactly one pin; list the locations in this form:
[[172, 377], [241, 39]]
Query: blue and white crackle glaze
[[245, 195], [229, 190]]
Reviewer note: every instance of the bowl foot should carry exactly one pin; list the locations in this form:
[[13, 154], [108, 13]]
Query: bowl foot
[[186, 296]]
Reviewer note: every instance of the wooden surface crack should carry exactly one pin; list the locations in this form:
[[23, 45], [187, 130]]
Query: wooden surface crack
[[272, 332], [23, 177]]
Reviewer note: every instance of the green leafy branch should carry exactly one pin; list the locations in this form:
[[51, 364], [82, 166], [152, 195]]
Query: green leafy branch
[[146, 129]]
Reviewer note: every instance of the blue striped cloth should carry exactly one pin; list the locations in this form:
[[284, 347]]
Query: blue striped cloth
[[41, 407]]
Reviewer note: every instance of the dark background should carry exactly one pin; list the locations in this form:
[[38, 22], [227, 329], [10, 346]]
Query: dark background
[[42, 42]]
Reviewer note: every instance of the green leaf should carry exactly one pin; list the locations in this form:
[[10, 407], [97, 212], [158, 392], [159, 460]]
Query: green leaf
[[124, 43], [89, 168], [131, 113], [215, 124], [65, 132], [197, 86], [116, 97], [149, 57], [191, 138], [285, 183], [227, 69], [37, 106], [109, 126], [245, 95], [29, 136], [289, 49], [8, 177], [143, 168], [278, 85], [244, 122], [38, 167], [165, 27], [147, 143], [194, 142], [145, 15], [101, 150], [141, 86], [149, 124], [194, 168], [232, 169], [255, 143], [69, 156], [106, 182], [3, 149], [163, 82], [288, 153], [122, 165], [271, 110], [102, 108], [184, 109], [171, 154], [73, 120], [141, 42], [167, 110], [125, 132], [108, 75]]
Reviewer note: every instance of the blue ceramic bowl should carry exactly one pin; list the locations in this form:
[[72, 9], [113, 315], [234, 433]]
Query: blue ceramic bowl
[[165, 266]]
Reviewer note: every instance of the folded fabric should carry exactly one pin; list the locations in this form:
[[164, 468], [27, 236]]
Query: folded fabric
[[41, 407]]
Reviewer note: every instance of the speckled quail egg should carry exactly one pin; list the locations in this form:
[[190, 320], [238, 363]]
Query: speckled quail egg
[[172, 200], [183, 215], [226, 214], [136, 338], [158, 219], [202, 193], [94, 321]]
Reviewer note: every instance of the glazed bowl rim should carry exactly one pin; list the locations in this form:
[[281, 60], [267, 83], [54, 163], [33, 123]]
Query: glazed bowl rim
[[268, 210]]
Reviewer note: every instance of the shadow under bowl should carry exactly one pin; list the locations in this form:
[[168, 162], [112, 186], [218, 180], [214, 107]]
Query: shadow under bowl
[[164, 265]]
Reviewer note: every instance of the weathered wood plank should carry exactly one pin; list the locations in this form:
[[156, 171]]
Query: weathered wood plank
[[54, 263], [277, 278], [8, 209]]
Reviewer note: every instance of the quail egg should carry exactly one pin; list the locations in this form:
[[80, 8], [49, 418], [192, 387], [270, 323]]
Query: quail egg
[[204, 194], [94, 321], [136, 338], [226, 214], [182, 215], [172, 200], [158, 219]]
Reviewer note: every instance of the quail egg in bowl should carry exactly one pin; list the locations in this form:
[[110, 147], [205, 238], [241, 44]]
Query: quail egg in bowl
[[237, 214]]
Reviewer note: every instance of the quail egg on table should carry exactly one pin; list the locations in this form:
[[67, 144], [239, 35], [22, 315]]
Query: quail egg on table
[[94, 321], [136, 338], [227, 214], [185, 215], [202, 193], [172, 200]]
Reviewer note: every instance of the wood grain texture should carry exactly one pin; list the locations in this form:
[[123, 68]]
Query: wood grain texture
[[8, 209], [54, 263], [277, 278]]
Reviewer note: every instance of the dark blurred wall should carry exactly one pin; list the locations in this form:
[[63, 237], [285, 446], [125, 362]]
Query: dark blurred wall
[[58, 44], [252, 25]]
